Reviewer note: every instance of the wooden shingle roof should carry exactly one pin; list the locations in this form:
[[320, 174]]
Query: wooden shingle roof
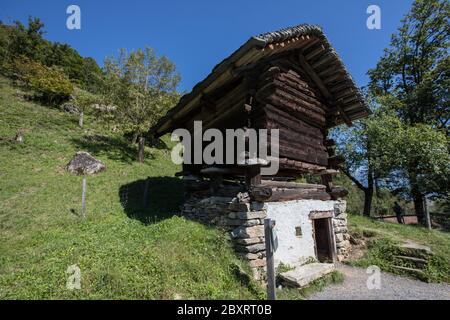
[[315, 55]]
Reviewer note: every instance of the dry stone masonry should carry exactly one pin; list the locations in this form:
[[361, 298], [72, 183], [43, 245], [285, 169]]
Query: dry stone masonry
[[243, 219]]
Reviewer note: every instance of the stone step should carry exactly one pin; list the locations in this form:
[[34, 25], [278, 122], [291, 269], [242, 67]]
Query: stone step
[[412, 249], [412, 271], [301, 276], [418, 262]]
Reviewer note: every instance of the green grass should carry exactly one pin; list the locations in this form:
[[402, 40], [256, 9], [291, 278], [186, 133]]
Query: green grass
[[382, 247], [124, 251]]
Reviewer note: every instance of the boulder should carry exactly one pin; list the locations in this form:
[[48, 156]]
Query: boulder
[[85, 164], [70, 107]]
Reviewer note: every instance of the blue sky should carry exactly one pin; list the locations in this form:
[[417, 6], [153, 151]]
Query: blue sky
[[198, 34]]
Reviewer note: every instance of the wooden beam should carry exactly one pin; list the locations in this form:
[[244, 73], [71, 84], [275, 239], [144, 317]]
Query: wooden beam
[[322, 87], [342, 113]]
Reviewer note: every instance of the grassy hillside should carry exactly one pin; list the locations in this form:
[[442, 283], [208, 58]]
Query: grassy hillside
[[123, 250], [382, 238]]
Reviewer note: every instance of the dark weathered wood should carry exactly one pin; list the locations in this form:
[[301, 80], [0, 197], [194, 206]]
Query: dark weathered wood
[[253, 176], [335, 161], [321, 214], [260, 193], [338, 192], [280, 195], [270, 264], [322, 87], [327, 180]]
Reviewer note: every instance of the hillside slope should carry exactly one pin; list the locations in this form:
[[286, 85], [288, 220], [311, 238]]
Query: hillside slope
[[123, 250]]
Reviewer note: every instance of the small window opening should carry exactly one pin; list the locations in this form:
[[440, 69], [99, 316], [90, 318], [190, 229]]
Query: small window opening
[[298, 231]]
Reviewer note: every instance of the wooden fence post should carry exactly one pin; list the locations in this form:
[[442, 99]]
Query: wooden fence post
[[268, 225], [83, 198], [427, 214]]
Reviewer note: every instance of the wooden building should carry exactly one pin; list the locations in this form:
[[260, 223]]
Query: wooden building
[[291, 80]]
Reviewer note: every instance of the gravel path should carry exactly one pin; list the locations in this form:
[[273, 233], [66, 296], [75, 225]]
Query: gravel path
[[393, 287]]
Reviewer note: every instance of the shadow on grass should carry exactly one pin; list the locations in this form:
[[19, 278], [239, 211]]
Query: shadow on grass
[[115, 148], [164, 196]]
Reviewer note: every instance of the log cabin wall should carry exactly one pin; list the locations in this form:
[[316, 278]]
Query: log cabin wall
[[280, 96], [287, 100]]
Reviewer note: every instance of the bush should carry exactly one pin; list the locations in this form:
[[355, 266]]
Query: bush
[[50, 85]]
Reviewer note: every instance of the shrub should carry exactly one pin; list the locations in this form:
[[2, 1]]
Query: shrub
[[50, 85]]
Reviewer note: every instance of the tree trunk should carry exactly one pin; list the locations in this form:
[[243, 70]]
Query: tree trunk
[[135, 137], [368, 191], [427, 214], [141, 149], [418, 200], [81, 119], [418, 207], [368, 194]]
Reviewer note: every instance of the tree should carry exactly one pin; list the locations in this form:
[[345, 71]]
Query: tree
[[18, 40], [366, 152], [143, 87], [414, 71], [83, 100]]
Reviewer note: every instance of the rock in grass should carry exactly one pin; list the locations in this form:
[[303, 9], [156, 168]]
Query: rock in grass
[[83, 163], [70, 107]]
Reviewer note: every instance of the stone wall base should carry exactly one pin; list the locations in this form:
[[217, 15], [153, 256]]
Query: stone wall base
[[244, 219]]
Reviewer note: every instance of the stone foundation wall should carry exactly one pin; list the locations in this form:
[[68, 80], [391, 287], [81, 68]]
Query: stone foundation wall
[[341, 234], [241, 217], [244, 219]]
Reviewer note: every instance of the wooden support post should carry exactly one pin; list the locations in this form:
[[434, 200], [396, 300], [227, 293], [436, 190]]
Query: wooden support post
[[331, 240], [327, 180], [83, 198], [216, 181], [268, 225], [253, 176]]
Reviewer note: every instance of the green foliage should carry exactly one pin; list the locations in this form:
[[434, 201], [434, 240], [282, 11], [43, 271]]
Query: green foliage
[[404, 145], [142, 86], [84, 99], [382, 247], [18, 40], [415, 67], [50, 85], [283, 268]]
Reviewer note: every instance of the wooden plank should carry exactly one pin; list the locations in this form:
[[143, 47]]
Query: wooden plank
[[313, 215], [323, 89], [291, 185], [281, 195]]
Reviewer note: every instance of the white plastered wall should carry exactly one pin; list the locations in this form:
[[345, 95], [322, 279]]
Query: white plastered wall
[[293, 250]]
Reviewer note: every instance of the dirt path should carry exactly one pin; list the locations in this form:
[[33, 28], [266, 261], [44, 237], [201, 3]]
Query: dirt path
[[393, 287]]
